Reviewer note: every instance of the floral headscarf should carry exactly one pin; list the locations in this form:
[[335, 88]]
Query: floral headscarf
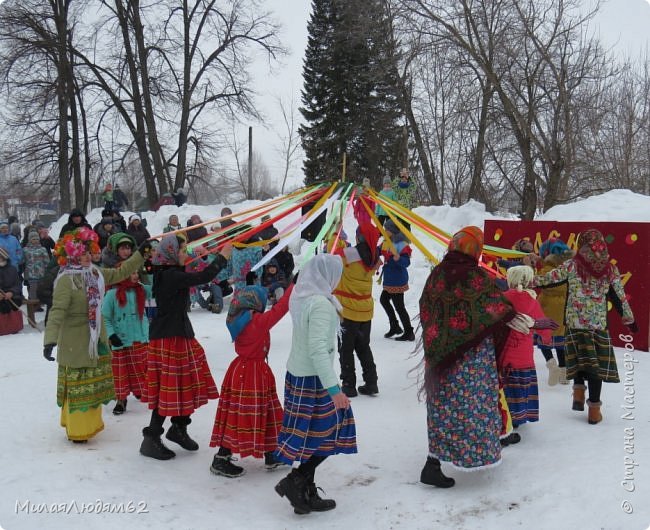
[[68, 251], [469, 241], [167, 251], [592, 257], [250, 298]]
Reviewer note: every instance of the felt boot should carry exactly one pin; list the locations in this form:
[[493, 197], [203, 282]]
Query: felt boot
[[578, 397]]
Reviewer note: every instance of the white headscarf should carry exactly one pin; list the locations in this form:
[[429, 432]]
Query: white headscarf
[[320, 276], [520, 278]]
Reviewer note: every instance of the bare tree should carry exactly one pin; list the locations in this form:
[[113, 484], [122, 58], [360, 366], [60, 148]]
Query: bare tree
[[289, 139]]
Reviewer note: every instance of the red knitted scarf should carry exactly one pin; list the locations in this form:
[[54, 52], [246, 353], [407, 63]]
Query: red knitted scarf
[[126, 285]]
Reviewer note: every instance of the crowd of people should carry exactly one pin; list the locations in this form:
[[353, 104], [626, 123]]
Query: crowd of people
[[118, 306]]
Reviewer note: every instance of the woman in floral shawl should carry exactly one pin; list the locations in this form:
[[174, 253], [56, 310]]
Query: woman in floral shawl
[[75, 326], [461, 310]]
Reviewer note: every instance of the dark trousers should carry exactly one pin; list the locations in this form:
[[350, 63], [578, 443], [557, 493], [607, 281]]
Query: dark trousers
[[548, 354], [594, 385], [156, 422], [308, 469], [355, 336], [387, 301]]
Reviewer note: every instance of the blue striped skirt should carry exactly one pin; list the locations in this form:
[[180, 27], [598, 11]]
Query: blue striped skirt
[[520, 388], [311, 424]]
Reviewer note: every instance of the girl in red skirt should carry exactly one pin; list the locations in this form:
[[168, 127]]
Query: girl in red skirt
[[178, 379], [249, 416], [127, 328]]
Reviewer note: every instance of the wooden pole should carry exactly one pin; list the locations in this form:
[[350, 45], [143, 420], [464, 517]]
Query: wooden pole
[[250, 164]]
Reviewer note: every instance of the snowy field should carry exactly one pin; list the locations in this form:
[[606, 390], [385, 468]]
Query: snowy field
[[565, 474]]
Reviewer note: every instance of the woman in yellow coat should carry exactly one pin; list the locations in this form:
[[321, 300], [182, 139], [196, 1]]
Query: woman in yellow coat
[[76, 328]]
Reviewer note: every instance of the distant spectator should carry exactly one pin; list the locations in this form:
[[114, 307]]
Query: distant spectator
[[77, 219], [180, 197], [137, 230], [104, 230], [285, 262], [269, 232], [120, 200], [14, 226], [11, 245], [174, 224], [36, 260], [274, 280], [196, 233], [108, 197], [46, 241], [118, 221], [11, 318]]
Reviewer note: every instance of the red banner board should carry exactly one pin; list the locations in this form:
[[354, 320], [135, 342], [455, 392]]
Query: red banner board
[[629, 248]]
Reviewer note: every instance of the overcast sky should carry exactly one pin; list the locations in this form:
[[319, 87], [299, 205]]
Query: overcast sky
[[622, 24]]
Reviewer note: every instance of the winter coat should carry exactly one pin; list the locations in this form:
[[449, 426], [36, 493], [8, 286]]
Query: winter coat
[[67, 324], [179, 199], [405, 195], [395, 273], [170, 228], [389, 194], [139, 233], [70, 226], [13, 248], [518, 350], [274, 281], [586, 306], [285, 262], [254, 341], [313, 342], [10, 282], [36, 260], [553, 299], [269, 233], [48, 244], [120, 199], [46, 285], [242, 260], [125, 321], [171, 291], [354, 291], [104, 234]]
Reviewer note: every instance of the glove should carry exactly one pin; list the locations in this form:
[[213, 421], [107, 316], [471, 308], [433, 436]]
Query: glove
[[633, 327], [545, 323], [115, 340], [145, 247], [47, 351], [251, 278], [295, 277]]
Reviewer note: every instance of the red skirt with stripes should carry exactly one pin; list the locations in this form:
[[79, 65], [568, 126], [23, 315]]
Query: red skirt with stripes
[[178, 378], [129, 369], [249, 416]]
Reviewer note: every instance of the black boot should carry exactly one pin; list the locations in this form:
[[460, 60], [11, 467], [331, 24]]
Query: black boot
[[178, 433], [348, 390], [152, 445], [394, 330], [120, 407], [294, 486], [369, 389], [316, 504], [408, 335], [432, 475], [511, 439], [270, 463]]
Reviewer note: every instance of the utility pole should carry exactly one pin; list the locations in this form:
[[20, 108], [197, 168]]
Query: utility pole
[[250, 163]]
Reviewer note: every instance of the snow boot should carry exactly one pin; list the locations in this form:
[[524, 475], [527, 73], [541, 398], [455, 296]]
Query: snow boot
[[594, 416], [314, 500], [408, 335], [222, 465], [578, 397], [369, 389], [394, 330], [562, 379], [178, 433], [294, 487], [433, 476], [153, 447], [553, 372], [511, 439], [120, 407], [270, 463], [349, 391]]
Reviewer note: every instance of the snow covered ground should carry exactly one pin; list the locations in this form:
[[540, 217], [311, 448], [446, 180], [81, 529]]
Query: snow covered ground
[[564, 474]]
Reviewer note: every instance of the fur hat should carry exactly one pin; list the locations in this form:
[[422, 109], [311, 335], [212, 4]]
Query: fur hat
[[4, 222], [134, 217], [387, 181], [107, 221]]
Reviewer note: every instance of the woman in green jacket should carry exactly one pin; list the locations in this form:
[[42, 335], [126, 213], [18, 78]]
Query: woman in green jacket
[[75, 326]]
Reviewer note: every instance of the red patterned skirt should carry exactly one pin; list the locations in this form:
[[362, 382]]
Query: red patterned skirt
[[129, 369], [249, 416], [178, 379]]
